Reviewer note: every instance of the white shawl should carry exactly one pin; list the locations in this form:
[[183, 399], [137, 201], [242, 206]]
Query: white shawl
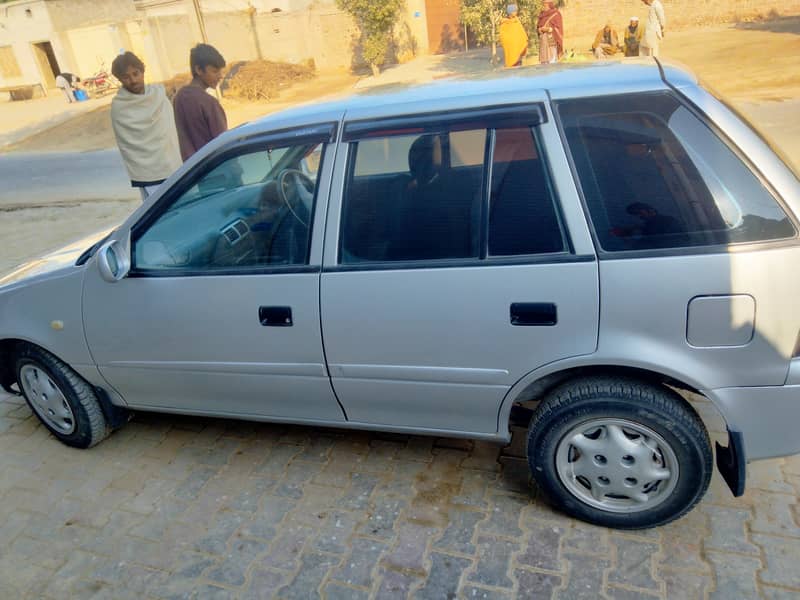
[[144, 125]]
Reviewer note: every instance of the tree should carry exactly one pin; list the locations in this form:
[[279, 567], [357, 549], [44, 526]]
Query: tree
[[376, 21], [483, 19]]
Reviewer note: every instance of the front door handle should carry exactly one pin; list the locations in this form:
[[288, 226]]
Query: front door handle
[[534, 314], [275, 316]]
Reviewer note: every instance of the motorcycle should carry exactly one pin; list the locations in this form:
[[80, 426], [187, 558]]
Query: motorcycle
[[101, 82]]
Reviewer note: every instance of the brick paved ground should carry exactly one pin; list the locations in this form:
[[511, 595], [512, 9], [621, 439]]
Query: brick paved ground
[[173, 507]]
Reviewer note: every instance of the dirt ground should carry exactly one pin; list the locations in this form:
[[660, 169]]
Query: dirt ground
[[92, 131]]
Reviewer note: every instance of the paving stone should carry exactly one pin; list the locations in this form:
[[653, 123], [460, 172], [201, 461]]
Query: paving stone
[[586, 539], [395, 585], [504, 515], [382, 517], [359, 565], [357, 496], [190, 488], [681, 585], [287, 547], [634, 564], [541, 548], [336, 591], [190, 565], [221, 526], [585, 577], [317, 450], [618, 593], [305, 585], [774, 514], [297, 475], [137, 579], [417, 448], [263, 524], [461, 530], [475, 488], [409, 551], [470, 592], [212, 592], [782, 557], [682, 543], [767, 475], [446, 465], [773, 593], [735, 576], [483, 457], [263, 583], [443, 580], [535, 585], [232, 569], [246, 496], [335, 536], [493, 565], [728, 531], [275, 463]]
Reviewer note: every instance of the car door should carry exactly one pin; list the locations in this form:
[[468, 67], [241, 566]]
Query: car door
[[459, 262], [219, 313]]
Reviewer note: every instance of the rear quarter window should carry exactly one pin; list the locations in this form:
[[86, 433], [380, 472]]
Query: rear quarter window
[[655, 176]]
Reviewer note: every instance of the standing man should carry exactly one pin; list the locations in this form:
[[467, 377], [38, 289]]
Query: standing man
[[513, 38], [198, 115], [633, 37], [551, 33], [144, 126], [654, 30]]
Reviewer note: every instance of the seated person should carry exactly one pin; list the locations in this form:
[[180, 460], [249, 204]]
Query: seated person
[[606, 43], [655, 230]]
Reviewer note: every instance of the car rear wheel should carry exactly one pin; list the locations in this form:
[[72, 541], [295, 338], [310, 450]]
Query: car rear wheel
[[65, 403], [619, 452]]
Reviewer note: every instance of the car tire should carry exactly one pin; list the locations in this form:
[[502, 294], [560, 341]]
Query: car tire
[[64, 402], [619, 453]]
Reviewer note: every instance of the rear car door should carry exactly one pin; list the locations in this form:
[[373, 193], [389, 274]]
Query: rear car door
[[457, 260]]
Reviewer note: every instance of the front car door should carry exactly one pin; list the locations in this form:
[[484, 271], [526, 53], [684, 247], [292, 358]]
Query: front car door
[[220, 311], [459, 262]]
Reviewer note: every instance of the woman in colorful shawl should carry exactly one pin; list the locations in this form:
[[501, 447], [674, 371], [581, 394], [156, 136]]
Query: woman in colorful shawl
[[551, 33], [513, 38]]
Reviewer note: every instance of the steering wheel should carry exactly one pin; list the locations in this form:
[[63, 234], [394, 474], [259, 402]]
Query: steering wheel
[[296, 189]]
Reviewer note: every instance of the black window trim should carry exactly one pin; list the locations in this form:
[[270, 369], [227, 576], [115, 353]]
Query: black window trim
[[324, 133], [483, 258], [603, 254]]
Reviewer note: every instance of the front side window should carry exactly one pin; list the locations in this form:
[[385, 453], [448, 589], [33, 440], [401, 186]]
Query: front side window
[[252, 210], [434, 196], [655, 176]]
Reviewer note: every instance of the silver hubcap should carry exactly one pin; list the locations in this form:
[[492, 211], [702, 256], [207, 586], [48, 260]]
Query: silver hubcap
[[617, 465], [47, 399]]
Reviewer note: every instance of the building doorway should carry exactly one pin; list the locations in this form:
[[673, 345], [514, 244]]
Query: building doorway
[[48, 65], [445, 33]]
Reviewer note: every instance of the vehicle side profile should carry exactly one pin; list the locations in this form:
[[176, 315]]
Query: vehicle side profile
[[575, 245]]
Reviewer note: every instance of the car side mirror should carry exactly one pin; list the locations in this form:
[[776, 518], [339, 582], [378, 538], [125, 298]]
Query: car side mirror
[[113, 261]]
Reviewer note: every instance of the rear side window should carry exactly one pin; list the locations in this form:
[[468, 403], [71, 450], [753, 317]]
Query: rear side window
[[655, 176], [435, 196]]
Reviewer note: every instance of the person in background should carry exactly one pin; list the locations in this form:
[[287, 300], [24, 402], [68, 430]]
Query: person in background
[[606, 42], [144, 126], [654, 29], [632, 37], [198, 115], [551, 33], [513, 38], [67, 82]]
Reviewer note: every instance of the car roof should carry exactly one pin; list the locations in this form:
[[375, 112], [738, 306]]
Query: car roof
[[506, 86]]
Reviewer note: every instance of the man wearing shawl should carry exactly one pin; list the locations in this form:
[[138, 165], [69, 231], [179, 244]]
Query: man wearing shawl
[[513, 38], [551, 33], [633, 37], [606, 42], [144, 126]]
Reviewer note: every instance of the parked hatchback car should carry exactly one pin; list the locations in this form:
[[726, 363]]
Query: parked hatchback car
[[591, 240]]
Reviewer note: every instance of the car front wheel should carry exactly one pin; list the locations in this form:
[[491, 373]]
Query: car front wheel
[[65, 403], [620, 453]]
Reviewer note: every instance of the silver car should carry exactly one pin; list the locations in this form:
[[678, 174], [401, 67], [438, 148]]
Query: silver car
[[571, 247]]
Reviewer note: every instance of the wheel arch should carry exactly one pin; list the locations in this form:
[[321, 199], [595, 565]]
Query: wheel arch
[[536, 384]]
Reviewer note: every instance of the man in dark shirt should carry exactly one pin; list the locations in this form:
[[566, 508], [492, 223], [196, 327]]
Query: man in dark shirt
[[199, 117]]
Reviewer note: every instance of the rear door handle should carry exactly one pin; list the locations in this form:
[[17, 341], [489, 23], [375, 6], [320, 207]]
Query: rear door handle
[[275, 316], [543, 314]]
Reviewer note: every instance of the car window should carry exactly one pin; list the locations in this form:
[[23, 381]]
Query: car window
[[522, 209], [655, 176], [406, 199], [252, 210]]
